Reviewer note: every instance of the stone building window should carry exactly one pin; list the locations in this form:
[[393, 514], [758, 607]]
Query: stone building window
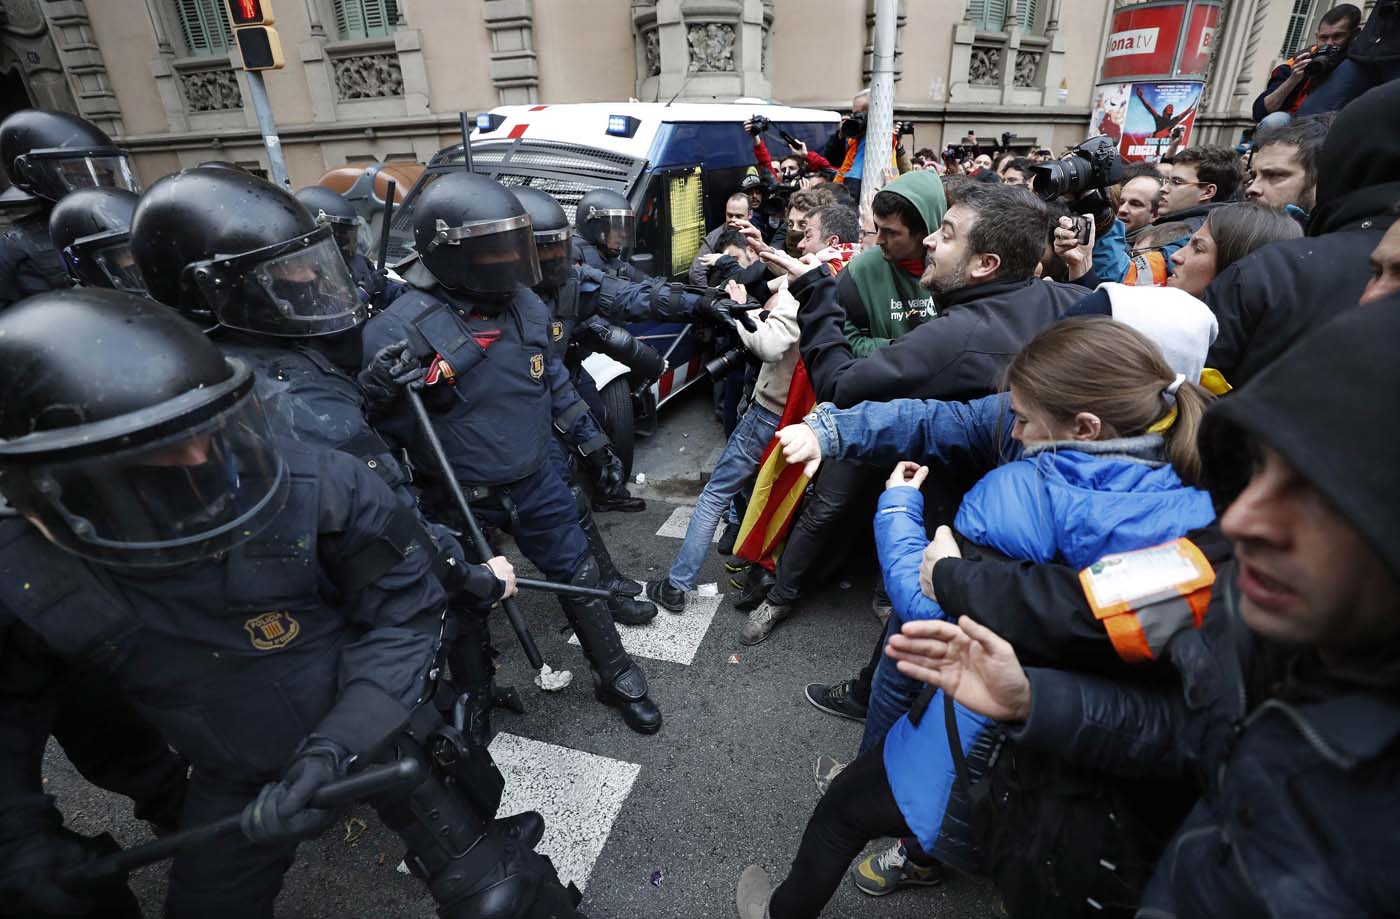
[[205, 27], [361, 19], [1297, 36]]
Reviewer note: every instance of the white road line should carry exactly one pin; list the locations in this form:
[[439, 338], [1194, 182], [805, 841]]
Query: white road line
[[580, 795], [671, 636], [676, 524]]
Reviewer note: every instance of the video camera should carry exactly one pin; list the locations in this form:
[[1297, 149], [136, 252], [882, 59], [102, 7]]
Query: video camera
[[1092, 165], [854, 127]]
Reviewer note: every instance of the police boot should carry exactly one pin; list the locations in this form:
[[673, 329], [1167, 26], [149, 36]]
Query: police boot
[[473, 688], [617, 680], [626, 605]]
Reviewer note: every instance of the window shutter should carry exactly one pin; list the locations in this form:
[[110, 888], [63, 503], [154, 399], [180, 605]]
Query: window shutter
[[1027, 14], [988, 15], [1296, 35], [205, 26], [358, 19]]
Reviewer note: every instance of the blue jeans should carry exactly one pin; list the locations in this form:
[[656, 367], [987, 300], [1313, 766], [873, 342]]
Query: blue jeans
[[737, 465], [891, 694], [1349, 80]]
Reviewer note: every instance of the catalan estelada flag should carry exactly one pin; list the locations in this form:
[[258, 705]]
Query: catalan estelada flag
[[778, 487]]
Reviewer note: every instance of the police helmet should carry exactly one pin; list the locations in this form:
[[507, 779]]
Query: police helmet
[[49, 154], [92, 229], [604, 218], [331, 208], [226, 246], [149, 451], [552, 234], [473, 235]]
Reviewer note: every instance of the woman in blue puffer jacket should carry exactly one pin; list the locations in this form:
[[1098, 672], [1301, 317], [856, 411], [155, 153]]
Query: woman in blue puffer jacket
[[1110, 461]]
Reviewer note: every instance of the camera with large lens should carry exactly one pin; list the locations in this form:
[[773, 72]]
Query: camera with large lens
[[1093, 164], [720, 367], [903, 128], [776, 204], [1325, 60], [756, 125], [853, 128]]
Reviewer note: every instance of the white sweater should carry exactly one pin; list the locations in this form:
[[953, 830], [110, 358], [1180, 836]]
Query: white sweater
[[775, 344]]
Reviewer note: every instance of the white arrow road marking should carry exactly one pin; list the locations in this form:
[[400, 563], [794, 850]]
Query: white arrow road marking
[[580, 795]]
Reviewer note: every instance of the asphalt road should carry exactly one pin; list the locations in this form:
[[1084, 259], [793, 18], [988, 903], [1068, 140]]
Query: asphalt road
[[651, 827]]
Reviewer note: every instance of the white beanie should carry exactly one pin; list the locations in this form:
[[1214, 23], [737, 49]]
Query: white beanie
[[1181, 326]]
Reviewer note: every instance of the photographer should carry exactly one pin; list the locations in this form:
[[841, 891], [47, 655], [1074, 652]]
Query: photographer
[[1373, 58], [1080, 179], [1303, 73], [847, 145], [793, 166]]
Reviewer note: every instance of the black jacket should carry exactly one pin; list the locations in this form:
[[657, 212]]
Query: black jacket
[[1272, 297], [957, 356]]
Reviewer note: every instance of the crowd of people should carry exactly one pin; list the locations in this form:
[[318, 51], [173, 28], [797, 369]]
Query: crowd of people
[[1121, 446]]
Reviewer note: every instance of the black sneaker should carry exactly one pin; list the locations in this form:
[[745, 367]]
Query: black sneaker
[[835, 699], [666, 595], [727, 538]]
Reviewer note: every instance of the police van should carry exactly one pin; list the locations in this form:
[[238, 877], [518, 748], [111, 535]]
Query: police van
[[675, 163]]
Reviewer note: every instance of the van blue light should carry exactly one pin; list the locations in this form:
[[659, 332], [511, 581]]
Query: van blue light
[[623, 125], [487, 122]]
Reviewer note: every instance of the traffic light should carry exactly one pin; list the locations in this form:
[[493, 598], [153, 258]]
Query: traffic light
[[250, 12], [260, 47]]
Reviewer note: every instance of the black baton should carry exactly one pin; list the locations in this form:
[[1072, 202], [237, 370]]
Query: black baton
[[388, 220], [368, 783], [483, 548]]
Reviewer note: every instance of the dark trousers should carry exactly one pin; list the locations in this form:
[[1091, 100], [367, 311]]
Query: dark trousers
[[840, 486], [857, 808], [540, 512], [1349, 80]]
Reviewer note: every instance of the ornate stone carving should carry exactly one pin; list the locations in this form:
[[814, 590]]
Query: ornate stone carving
[[711, 47], [651, 47], [984, 69], [1027, 67], [21, 16], [368, 76], [211, 90]]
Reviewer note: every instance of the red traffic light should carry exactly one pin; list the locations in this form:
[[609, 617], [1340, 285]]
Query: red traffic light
[[249, 12]]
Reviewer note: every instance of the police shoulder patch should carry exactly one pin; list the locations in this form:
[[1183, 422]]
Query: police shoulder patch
[[537, 365], [556, 330], [272, 631]]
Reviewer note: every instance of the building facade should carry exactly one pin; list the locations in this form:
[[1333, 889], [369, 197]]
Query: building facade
[[385, 79]]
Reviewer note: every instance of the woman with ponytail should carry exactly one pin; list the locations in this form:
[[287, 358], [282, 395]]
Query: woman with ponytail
[[1109, 465]]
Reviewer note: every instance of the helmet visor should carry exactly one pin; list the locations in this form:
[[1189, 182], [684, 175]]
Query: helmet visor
[[490, 256], [71, 173], [105, 260], [345, 230], [182, 498], [297, 289], [555, 255], [615, 230]]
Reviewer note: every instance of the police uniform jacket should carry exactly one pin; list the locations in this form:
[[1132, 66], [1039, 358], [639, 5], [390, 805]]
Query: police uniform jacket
[[29, 264], [495, 388]]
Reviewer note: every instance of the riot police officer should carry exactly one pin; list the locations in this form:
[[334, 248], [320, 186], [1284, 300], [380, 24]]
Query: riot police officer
[[331, 208], [495, 391], [91, 229], [48, 155], [250, 594], [267, 279], [558, 288], [605, 230]]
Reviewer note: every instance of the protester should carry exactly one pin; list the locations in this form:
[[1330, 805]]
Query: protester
[[1285, 710], [1285, 163], [1139, 197], [736, 209], [1017, 172], [1292, 81], [1385, 265], [1201, 177], [1109, 431]]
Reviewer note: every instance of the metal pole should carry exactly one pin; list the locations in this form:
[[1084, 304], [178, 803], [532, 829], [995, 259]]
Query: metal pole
[[276, 164], [879, 132]]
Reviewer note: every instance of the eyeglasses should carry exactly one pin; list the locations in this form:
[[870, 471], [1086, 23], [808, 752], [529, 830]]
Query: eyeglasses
[[1178, 182]]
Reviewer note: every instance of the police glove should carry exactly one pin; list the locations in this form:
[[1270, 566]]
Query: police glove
[[608, 467], [725, 311], [28, 876], [392, 370], [281, 812]]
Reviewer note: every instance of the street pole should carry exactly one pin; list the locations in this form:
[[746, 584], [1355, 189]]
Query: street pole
[[879, 132], [276, 163]]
